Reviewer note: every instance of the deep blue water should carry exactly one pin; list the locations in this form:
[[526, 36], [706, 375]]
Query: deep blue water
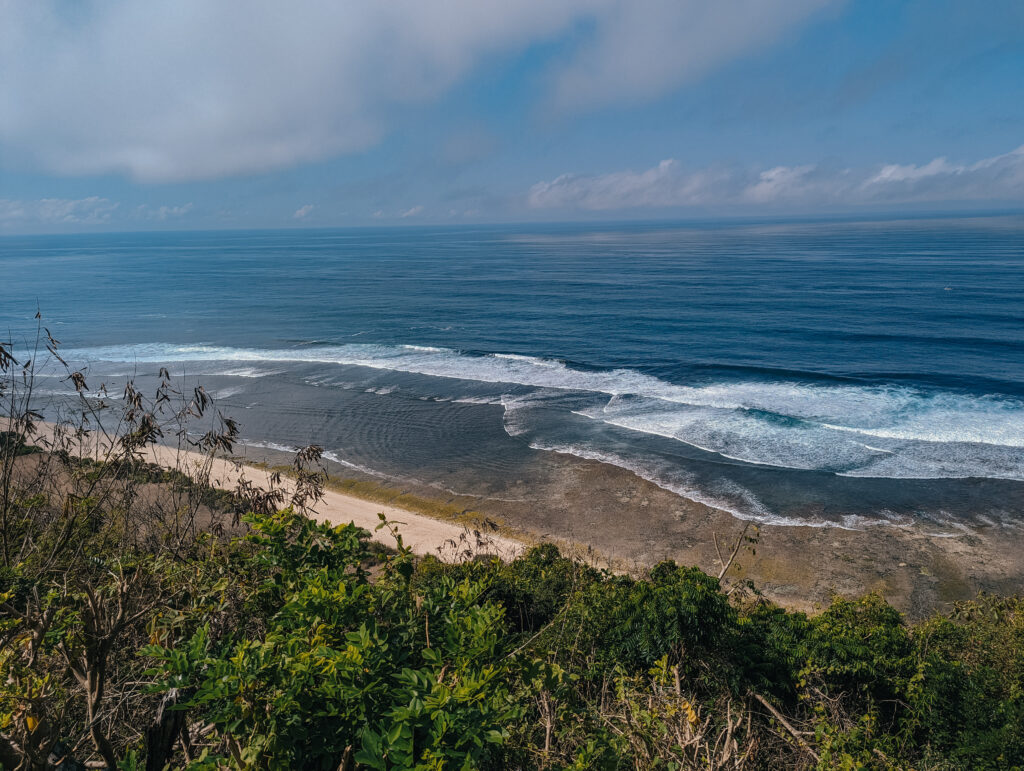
[[784, 371]]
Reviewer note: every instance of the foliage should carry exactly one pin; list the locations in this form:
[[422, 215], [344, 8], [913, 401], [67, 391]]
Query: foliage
[[347, 667], [298, 645]]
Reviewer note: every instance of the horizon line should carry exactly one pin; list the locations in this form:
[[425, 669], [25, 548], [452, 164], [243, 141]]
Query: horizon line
[[734, 219]]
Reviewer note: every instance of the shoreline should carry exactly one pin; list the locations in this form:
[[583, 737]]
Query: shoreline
[[617, 519], [612, 518]]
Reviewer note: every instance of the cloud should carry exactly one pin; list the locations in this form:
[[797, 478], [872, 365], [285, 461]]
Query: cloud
[[1000, 178], [413, 212], [663, 185], [62, 213], [667, 185], [56, 211], [201, 90], [642, 48], [163, 213], [303, 211], [779, 182]]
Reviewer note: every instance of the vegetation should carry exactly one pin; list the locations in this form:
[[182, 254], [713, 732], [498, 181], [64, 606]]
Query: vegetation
[[147, 622]]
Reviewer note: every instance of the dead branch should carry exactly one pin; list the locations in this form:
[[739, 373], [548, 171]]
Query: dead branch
[[797, 735], [736, 550]]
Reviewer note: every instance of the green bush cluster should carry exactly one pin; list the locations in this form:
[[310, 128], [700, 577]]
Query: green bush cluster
[[298, 645]]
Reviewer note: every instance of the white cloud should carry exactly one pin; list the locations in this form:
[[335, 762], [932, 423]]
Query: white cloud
[[303, 211], [998, 178], [198, 89], [663, 185], [667, 185], [642, 48], [894, 172], [413, 212], [163, 213], [779, 182], [56, 211]]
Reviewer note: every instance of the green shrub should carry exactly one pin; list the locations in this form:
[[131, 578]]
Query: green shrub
[[346, 667], [861, 652], [301, 645]]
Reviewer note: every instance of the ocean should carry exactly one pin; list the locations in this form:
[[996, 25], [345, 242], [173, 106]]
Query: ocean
[[829, 373]]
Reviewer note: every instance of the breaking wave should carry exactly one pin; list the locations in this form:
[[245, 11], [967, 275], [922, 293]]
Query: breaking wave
[[887, 431]]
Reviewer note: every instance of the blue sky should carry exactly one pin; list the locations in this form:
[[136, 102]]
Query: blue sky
[[122, 115]]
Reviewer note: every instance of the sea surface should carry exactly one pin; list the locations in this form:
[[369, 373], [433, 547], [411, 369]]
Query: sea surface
[[844, 373]]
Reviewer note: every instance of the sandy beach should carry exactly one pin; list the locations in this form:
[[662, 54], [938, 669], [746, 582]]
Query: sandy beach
[[616, 520], [424, 535]]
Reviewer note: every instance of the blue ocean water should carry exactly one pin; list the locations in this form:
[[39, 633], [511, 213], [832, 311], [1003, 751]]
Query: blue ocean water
[[792, 372]]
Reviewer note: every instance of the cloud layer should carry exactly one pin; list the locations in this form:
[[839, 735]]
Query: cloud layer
[[199, 90], [668, 185], [92, 211], [57, 211]]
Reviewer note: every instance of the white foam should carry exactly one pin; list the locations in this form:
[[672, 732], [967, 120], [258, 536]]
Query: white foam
[[514, 421], [424, 348], [753, 438], [877, 449], [225, 393], [267, 445], [327, 455], [474, 400], [531, 360], [244, 372], [736, 435], [381, 390], [929, 460], [334, 457], [854, 407], [998, 425]]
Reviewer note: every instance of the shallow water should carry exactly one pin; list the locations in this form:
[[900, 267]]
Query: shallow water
[[845, 372]]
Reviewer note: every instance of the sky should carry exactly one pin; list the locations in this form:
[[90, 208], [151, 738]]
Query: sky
[[198, 114]]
